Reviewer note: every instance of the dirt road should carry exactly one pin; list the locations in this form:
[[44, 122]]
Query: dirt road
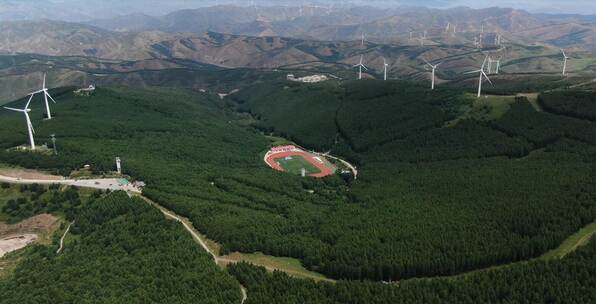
[[196, 236], [62, 238], [102, 184]]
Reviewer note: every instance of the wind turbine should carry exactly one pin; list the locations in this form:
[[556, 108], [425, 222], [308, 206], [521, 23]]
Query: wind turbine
[[362, 40], [564, 62], [482, 74], [448, 26], [26, 111], [490, 62], [385, 65], [433, 67], [421, 39], [498, 61], [44, 90], [360, 67]]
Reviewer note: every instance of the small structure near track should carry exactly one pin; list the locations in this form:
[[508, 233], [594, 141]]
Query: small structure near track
[[297, 161]]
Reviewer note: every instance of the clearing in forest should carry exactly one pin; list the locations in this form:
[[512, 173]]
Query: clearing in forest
[[294, 160]]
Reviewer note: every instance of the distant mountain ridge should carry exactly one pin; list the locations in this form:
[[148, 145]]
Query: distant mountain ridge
[[56, 38], [378, 25]]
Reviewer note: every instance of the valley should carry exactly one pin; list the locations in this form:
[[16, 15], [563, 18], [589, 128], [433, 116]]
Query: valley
[[307, 154]]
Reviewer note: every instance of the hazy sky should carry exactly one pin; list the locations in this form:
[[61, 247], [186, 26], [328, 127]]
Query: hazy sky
[[547, 6], [80, 10]]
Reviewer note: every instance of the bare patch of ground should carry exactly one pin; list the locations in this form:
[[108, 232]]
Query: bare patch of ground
[[42, 225], [16, 242], [27, 174], [291, 266]]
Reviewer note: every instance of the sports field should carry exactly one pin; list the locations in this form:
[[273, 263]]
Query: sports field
[[294, 164], [292, 160]]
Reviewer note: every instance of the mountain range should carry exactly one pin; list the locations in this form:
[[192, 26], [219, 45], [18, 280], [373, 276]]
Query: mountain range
[[378, 25], [157, 50]]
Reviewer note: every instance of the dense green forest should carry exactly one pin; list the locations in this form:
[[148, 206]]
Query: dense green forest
[[575, 103], [36, 199], [570, 280], [429, 200], [123, 251]]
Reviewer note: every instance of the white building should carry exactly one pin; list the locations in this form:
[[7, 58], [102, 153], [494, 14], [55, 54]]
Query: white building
[[308, 79]]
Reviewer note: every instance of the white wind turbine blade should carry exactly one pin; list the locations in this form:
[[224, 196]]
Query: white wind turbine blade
[[28, 102], [13, 109], [486, 76], [427, 62], [484, 62], [564, 55], [50, 96], [473, 72], [29, 124], [364, 67], [44, 81]]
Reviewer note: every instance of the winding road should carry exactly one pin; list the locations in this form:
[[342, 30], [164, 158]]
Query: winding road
[[570, 243], [116, 185]]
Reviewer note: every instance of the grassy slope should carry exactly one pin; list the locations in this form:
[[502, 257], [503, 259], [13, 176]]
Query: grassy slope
[[578, 239]]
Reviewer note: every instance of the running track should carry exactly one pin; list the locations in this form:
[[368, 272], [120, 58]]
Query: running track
[[270, 160]]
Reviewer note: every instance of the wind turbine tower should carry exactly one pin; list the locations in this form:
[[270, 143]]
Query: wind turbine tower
[[360, 67], [482, 75], [46, 94], [490, 62], [53, 136], [118, 165], [30, 129], [564, 62], [433, 67], [421, 39], [385, 65]]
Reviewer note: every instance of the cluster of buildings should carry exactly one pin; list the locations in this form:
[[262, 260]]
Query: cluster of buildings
[[308, 79], [288, 148], [85, 91]]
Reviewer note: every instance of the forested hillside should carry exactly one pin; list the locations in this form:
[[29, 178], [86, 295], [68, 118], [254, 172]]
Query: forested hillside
[[123, 251], [504, 189], [569, 280], [431, 199]]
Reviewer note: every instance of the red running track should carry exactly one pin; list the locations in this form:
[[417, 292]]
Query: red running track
[[270, 160]]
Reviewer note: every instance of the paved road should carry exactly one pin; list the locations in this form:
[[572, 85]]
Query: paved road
[[103, 184]]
